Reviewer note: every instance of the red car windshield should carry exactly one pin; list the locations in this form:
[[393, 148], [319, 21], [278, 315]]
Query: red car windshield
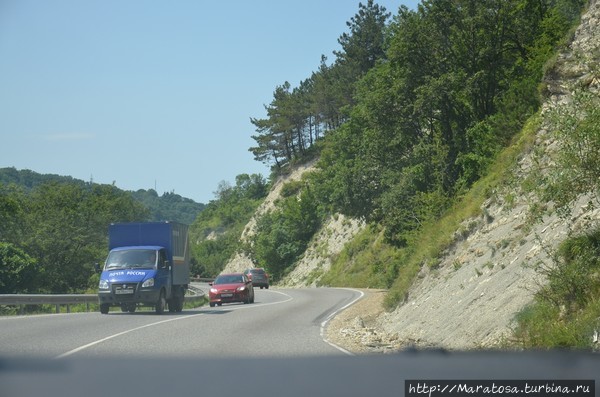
[[229, 279]]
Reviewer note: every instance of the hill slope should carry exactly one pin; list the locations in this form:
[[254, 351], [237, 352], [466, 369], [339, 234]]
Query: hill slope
[[471, 298], [169, 206]]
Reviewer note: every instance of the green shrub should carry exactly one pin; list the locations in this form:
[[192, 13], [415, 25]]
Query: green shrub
[[565, 311], [367, 261]]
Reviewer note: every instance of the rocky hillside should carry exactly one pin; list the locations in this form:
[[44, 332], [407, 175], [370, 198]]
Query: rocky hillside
[[471, 298], [329, 241], [490, 273]]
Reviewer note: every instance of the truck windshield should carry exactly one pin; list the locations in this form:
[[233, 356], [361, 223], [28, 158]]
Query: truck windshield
[[135, 258]]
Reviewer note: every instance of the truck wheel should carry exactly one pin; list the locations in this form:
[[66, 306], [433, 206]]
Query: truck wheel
[[161, 303], [176, 302], [104, 308], [179, 301], [131, 308]]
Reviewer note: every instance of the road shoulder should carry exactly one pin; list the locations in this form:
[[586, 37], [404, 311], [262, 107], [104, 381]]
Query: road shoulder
[[355, 329]]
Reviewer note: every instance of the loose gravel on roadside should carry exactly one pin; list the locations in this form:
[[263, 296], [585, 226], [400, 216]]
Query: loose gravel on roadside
[[355, 328]]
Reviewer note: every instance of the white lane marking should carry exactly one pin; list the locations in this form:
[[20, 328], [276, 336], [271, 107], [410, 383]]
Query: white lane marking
[[80, 348], [289, 298], [332, 315]]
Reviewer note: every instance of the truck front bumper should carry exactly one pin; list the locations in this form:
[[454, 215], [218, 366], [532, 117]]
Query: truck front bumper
[[142, 296]]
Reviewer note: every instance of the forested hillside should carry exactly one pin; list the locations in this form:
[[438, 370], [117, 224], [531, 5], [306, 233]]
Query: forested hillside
[[411, 111], [216, 231], [54, 228], [482, 205], [51, 236], [168, 206]]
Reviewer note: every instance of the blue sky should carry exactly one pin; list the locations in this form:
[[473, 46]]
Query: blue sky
[[148, 93]]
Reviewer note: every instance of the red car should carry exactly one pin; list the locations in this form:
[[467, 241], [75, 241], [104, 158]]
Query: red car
[[231, 287]]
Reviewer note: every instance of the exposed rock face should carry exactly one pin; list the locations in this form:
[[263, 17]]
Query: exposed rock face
[[240, 260], [329, 241]]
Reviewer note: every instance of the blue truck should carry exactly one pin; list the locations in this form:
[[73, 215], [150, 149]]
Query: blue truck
[[148, 264]]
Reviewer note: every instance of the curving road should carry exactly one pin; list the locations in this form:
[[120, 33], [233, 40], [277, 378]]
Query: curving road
[[281, 323], [271, 348]]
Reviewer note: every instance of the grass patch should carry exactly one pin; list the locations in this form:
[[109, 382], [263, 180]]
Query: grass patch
[[565, 312], [542, 326], [365, 262]]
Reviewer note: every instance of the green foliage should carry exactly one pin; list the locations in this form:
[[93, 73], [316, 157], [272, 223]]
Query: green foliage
[[211, 255], [297, 118], [565, 310], [169, 206], [425, 245], [28, 179], [11, 212], [17, 270], [482, 147], [291, 189], [365, 262], [216, 231], [446, 90], [62, 228], [428, 122], [576, 166], [71, 227], [283, 234], [575, 278]]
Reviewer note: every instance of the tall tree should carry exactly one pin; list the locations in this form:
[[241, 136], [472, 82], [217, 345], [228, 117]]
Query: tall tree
[[296, 117], [67, 230], [364, 45], [18, 271], [458, 79]]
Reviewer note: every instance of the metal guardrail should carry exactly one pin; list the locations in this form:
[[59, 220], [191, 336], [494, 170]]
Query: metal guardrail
[[71, 299], [203, 279], [48, 299]]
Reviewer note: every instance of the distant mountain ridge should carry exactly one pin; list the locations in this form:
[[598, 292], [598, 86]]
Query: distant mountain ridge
[[168, 206]]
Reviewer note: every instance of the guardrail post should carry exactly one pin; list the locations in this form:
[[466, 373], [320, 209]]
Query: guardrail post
[[57, 308]]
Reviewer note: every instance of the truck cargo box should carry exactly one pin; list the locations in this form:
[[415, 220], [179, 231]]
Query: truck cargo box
[[171, 235]]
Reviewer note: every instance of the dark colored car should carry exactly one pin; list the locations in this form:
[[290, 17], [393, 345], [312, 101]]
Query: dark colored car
[[258, 276], [231, 287]]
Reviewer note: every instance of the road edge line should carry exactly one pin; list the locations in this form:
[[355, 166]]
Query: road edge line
[[335, 313]]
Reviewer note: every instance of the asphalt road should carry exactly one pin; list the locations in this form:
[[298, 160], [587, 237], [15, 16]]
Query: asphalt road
[[270, 348], [281, 323]]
